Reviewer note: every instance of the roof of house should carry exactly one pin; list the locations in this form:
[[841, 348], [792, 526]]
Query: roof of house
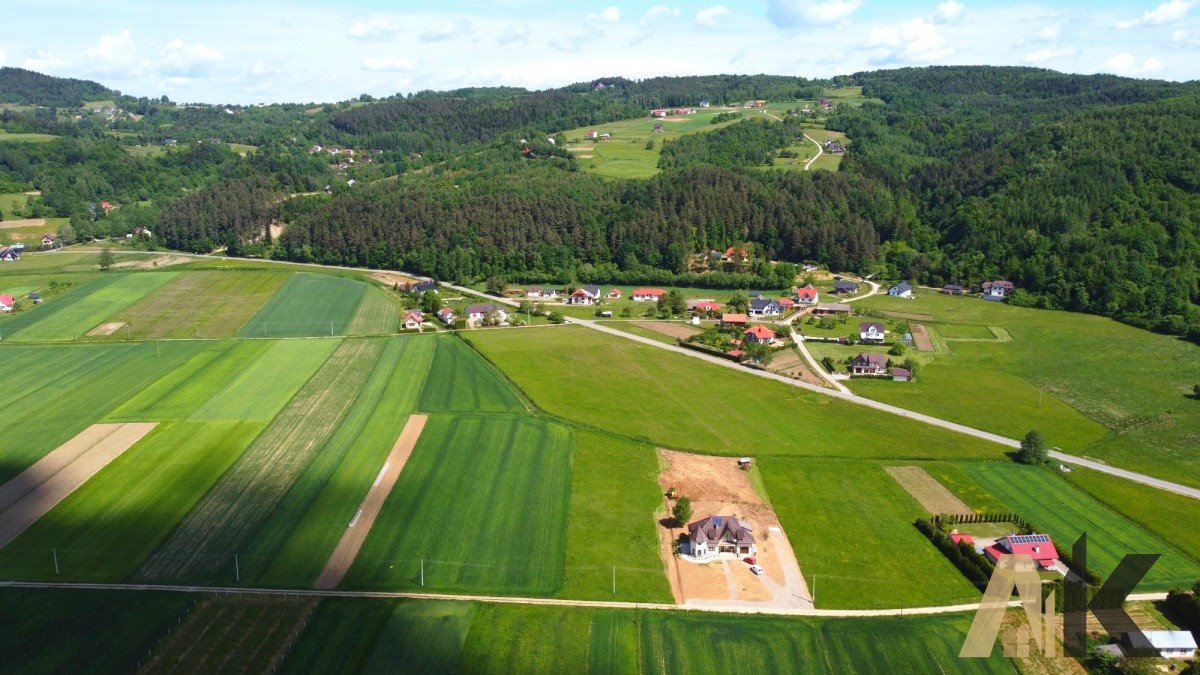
[[707, 306], [413, 315], [958, 537], [591, 289], [736, 353], [713, 528], [6, 299], [648, 291], [901, 287], [997, 284], [423, 286], [834, 307], [787, 302], [808, 291], [901, 372], [740, 251], [866, 326], [845, 286], [1037, 546], [763, 303], [734, 318], [1170, 639], [616, 292], [480, 308], [445, 311], [865, 358], [760, 332], [953, 287]]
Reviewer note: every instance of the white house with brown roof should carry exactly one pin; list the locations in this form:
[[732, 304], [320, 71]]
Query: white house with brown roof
[[872, 331], [869, 364], [714, 535]]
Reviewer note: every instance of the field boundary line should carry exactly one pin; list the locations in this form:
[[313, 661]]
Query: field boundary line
[[359, 529], [514, 600]]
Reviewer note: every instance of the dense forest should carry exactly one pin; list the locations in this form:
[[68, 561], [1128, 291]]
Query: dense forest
[[1081, 189]]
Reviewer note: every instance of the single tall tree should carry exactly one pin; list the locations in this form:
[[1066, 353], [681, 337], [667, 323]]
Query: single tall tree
[[682, 510], [106, 258], [1033, 449]]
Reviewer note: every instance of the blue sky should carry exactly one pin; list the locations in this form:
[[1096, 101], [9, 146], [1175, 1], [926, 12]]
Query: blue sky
[[270, 50]]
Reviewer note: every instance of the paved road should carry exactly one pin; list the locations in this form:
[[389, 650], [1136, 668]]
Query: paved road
[[820, 151], [816, 367], [507, 600]]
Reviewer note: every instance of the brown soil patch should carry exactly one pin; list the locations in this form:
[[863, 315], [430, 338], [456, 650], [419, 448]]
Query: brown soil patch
[[153, 263], [717, 486], [31, 494], [932, 495], [675, 329], [106, 328], [24, 222], [392, 278], [276, 231], [791, 364], [921, 337], [356, 533]]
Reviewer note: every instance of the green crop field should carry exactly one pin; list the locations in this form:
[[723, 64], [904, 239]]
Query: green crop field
[[422, 637], [483, 500], [669, 399], [7, 137], [203, 544], [308, 304], [72, 315], [460, 381], [1126, 389], [377, 314], [293, 546], [59, 391], [62, 631], [1170, 516], [340, 636], [851, 526], [259, 389], [614, 484], [200, 305], [1064, 511]]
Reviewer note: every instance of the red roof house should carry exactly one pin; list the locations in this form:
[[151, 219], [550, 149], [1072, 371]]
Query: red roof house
[[1039, 547], [614, 294], [787, 303], [759, 334], [707, 306], [958, 537], [807, 295], [6, 303], [733, 319], [647, 294]]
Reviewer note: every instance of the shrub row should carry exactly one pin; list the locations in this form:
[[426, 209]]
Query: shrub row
[[974, 566]]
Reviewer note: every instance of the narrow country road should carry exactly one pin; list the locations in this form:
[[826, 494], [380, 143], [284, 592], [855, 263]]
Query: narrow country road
[[820, 151], [874, 290], [508, 600], [816, 367]]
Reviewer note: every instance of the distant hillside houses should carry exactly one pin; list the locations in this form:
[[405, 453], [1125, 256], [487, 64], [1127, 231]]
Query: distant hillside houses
[[997, 290]]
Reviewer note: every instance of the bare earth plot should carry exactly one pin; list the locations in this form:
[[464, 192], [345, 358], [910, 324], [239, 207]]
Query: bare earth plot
[[356, 533], [674, 329], [921, 337], [24, 222], [932, 495], [106, 328], [791, 364], [31, 494], [717, 486]]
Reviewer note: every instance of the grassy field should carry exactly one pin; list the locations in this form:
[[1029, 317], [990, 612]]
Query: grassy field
[[483, 500], [308, 304], [199, 305], [669, 399], [59, 631], [377, 314], [460, 381], [293, 546], [202, 546], [7, 137], [340, 637], [1127, 388], [79, 310], [851, 525], [1050, 502], [422, 637], [614, 486]]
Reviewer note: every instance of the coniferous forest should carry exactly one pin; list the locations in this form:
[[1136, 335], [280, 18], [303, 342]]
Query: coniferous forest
[[1083, 190]]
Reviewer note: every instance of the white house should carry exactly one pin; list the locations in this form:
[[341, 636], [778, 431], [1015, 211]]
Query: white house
[[901, 290], [413, 320], [584, 295], [542, 293], [446, 315], [1172, 644], [647, 294], [996, 290], [807, 296], [765, 307], [869, 364], [478, 312], [715, 535], [871, 331]]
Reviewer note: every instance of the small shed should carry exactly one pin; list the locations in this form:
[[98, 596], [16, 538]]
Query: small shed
[[744, 463]]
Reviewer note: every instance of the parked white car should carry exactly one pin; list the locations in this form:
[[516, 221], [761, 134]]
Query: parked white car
[[756, 569]]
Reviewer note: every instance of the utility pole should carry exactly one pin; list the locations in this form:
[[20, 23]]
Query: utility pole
[[55, 552], [237, 569], [422, 573], [614, 580]]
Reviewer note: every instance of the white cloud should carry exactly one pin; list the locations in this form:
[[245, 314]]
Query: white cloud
[[446, 30], [1128, 64], [1167, 12], [115, 53], [42, 61], [387, 64], [914, 41], [1050, 54], [795, 13], [377, 29], [659, 12], [181, 59], [949, 11], [514, 34], [610, 14], [709, 15]]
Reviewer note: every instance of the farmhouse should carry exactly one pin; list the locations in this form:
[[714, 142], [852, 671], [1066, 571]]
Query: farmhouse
[[476, 313], [446, 315], [765, 307], [49, 240], [1038, 547], [422, 286], [6, 303], [9, 254], [759, 334], [614, 294], [658, 112], [541, 293], [869, 364], [647, 294], [704, 103], [590, 134], [714, 535], [807, 296], [707, 306], [413, 320], [996, 290], [953, 289], [871, 331], [734, 254], [737, 320], [901, 290], [845, 287], [832, 308], [834, 147], [584, 295], [1172, 644]]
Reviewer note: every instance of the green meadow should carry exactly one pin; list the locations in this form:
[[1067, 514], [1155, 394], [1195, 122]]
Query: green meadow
[[199, 305], [81, 309], [307, 305], [1092, 386]]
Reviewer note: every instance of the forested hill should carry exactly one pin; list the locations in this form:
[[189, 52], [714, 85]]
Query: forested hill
[[26, 87]]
